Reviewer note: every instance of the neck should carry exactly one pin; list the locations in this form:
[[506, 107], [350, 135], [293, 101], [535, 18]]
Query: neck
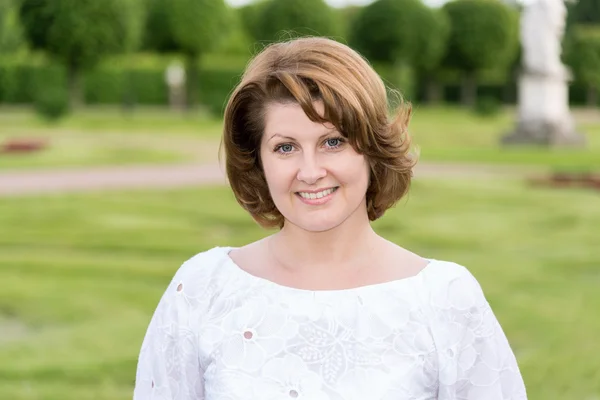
[[347, 246]]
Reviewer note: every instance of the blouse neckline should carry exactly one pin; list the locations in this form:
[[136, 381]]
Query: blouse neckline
[[374, 286]]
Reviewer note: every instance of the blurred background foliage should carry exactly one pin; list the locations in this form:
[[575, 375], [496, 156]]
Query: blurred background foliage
[[455, 54]]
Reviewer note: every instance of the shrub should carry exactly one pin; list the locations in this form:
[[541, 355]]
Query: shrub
[[487, 106], [52, 103]]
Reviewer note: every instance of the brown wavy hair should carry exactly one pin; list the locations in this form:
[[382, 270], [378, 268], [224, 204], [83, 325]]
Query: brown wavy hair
[[355, 100]]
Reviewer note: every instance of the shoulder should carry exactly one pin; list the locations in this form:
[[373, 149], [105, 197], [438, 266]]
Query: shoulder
[[474, 357], [454, 304], [201, 267], [206, 259], [452, 285]]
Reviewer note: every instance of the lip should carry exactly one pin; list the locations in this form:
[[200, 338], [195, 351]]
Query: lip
[[316, 190], [320, 201]]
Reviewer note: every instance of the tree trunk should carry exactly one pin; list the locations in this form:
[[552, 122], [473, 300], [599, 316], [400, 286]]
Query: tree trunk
[[75, 86], [509, 94], [592, 97], [510, 88], [191, 80], [468, 95], [128, 95], [433, 91]]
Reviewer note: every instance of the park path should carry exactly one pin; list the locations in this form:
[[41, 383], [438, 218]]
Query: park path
[[19, 183]]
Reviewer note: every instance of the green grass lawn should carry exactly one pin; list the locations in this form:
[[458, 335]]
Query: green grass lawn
[[80, 276], [458, 135], [108, 136], [73, 151]]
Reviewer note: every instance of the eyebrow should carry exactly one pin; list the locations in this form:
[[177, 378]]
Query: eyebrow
[[281, 136], [329, 132]]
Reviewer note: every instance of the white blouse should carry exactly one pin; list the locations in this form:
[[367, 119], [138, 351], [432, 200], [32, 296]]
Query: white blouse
[[220, 333]]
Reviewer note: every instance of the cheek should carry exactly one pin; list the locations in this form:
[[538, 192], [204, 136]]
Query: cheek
[[270, 174], [354, 170], [278, 177], [267, 165]]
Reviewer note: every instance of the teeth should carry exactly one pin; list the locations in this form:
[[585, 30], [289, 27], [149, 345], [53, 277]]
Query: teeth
[[317, 195]]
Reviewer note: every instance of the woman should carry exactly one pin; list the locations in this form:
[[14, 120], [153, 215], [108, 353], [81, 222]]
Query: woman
[[324, 308]]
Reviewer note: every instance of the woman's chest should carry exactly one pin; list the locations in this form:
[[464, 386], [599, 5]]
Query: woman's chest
[[318, 350]]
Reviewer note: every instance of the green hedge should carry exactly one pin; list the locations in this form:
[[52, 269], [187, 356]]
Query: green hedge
[[138, 79], [21, 79], [142, 78], [110, 85]]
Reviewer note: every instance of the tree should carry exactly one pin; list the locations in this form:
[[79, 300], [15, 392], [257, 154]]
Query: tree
[[385, 31], [346, 15], [483, 34], [197, 26], [189, 27], [582, 53], [36, 18], [250, 15], [401, 32], [135, 13], [298, 17], [584, 12], [11, 35], [78, 33], [157, 30], [432, 42]]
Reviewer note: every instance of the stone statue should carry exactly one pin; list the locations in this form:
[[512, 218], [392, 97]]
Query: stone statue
[[175, 79], [542, 31], [544, 117]]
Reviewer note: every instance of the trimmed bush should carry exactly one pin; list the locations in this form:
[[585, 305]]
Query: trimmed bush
[[140, 79], [52, 103], [487, 106], [277, 19], [582, 53], [483, 35], [50, 94]]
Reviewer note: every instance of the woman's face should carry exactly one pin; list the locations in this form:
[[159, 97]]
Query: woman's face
[[315, 177]]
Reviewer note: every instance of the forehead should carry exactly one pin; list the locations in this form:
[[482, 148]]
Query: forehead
[[290, 119]]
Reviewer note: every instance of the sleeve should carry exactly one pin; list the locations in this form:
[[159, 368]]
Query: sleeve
[[475, 359], [168, 364]]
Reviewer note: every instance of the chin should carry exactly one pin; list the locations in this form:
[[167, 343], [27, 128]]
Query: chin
[[317, 224]]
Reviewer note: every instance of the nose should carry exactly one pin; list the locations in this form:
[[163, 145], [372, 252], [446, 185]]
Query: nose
[[310, 171]]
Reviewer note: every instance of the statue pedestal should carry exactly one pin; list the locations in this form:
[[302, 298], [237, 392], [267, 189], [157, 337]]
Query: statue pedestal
[[543, 112], [175, 79]]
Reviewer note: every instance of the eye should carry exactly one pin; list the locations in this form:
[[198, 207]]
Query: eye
[[284, 148], [334, 142]]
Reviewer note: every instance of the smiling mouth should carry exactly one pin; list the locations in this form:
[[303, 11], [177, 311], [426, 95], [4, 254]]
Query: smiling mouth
[[317, 195]]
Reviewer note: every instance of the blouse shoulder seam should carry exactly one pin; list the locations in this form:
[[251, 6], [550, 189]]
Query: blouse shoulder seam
[[203, 259]]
